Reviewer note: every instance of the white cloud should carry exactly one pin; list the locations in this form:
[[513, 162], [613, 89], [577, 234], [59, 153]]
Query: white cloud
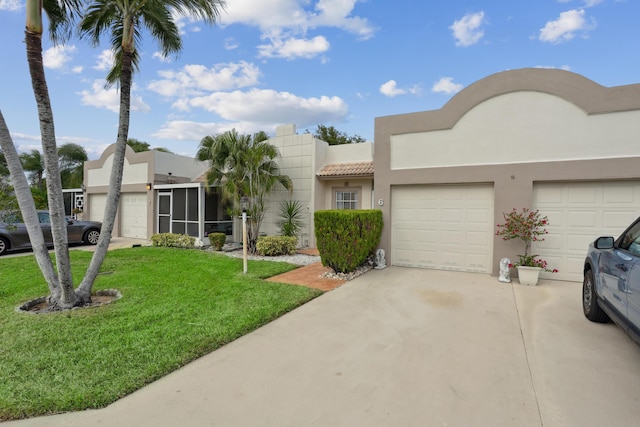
[[269, 107], [182, 130], [391, 89], [101, 97], [446, 85], [552, 67], [57, 57], [230, 43], [197, 79], [591, 3], [564, 28], [294, 48], [105, 60], [467, 31], [77, 69], [10, 5], [291, 15], [159, 56]]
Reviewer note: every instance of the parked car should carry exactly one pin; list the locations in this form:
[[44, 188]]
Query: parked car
[[611, 287], [14, 236]]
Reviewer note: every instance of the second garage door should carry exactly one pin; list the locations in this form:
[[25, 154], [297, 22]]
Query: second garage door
[[134, 215], [446, 227], [579, 213]]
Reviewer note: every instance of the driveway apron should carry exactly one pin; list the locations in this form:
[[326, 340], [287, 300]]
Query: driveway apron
[[403, 347]]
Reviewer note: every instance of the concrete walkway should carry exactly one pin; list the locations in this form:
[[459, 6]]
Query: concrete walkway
[[403, 347]]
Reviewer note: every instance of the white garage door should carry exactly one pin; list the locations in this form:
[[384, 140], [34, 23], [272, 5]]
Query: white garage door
[[133, 218], [579, 213], [97, 203], [446, 227]]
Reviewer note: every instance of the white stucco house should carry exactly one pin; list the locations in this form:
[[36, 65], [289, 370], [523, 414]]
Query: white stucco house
[[163, 192], [543, 139], [531, 138]]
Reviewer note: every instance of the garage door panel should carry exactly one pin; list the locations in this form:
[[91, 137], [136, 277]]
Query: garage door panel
[[578, 213], [97, 204], [454, 231], [477, 238], [134, 215]]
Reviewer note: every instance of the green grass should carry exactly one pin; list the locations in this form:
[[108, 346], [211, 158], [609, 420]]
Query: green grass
[[177, 305]]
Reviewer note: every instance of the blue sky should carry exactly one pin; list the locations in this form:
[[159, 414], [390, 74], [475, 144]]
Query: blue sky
[[335, 62]]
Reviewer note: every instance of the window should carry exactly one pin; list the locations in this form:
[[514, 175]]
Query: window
[[346, 199], [631, 240]]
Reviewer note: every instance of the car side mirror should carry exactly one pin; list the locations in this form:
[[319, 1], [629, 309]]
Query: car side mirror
[[604, 242]]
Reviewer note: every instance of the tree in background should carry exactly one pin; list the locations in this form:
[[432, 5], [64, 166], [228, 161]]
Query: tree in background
[[72, 158], [4, 170], [33, 164], [125, 21], [8, 202], [332, 136], [140, 146], [243, 165]]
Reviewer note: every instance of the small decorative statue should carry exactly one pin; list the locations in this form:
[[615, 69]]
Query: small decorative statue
[[380, 262], [505, 274]]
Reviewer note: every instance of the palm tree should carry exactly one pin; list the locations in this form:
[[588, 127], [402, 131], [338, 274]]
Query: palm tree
[[242, 165], [61, 16], [33, 163], [72, 158], [125, 21]]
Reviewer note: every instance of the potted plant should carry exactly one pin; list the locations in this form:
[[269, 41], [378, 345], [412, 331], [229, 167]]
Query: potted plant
[[528, 226]]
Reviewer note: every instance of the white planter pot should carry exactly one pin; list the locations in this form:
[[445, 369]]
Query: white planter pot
[[528, 275]]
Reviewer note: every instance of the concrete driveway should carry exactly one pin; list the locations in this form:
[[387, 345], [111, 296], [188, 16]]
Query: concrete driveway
[[404, 347]]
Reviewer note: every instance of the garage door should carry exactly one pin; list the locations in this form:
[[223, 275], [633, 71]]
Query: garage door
[[97, 203], [446, 227], [133, 218], [579, 213]]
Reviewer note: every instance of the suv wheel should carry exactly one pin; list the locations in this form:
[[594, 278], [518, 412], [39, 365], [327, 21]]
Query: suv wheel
[[592, 310]]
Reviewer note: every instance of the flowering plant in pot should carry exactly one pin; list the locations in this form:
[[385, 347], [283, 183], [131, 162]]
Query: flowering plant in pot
[[528, 226]]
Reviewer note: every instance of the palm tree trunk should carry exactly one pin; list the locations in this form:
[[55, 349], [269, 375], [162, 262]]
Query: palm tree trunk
[[67, 297], [28, 208], [115, 182]]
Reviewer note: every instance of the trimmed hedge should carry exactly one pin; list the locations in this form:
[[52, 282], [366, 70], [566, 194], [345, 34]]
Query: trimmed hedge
[[217, 240], [276, 245], [172, 240], [345, 238]]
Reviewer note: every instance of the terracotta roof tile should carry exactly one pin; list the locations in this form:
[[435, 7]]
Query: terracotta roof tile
[[347, 169]]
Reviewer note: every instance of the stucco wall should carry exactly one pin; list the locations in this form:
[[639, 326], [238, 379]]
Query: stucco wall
[[511, 130], [298, 157], [361, 152]]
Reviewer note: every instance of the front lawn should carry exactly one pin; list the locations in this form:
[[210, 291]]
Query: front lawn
[[177, 305]]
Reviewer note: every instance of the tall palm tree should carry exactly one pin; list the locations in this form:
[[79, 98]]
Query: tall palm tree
[[242, 165], [61, 14], [124, 21], [72, 158]]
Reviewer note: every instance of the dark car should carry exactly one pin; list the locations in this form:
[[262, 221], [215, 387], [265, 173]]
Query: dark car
[[611, 287], [14, 236]]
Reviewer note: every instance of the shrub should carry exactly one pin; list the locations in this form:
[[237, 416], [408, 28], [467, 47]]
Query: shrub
[[345, 238], [276, 245], [290, 217], [217, 240], [172, 240]]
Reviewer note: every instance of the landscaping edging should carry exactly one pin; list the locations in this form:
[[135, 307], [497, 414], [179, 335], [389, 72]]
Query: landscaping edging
[[100, 298]]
